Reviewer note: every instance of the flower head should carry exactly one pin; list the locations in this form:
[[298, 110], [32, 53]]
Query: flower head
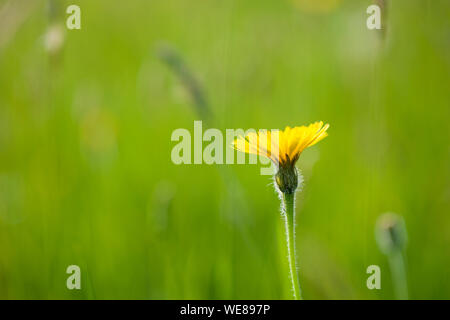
[[283, 148], [391, 233]]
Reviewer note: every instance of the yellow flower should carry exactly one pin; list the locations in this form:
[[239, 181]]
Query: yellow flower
[[285, 149]]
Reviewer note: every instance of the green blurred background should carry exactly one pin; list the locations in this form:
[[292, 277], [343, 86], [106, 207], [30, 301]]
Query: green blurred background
[[86, 118]]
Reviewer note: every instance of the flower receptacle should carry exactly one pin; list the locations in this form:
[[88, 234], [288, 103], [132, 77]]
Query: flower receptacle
[[287, 179]]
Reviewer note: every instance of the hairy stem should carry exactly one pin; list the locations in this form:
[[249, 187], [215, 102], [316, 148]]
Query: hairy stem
[[289, 223]]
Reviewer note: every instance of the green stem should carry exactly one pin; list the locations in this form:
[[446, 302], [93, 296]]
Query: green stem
[[399, 275], [289, 223]]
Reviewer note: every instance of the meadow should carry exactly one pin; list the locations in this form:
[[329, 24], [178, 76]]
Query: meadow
[[86, 118]]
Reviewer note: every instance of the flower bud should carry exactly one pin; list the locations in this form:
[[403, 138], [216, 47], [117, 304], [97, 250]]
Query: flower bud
[[390, 233]]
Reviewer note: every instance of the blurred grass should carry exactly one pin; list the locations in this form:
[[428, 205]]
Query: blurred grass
[[85, 170]]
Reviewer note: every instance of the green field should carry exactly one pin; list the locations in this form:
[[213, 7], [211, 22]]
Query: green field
[[86, 118]]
